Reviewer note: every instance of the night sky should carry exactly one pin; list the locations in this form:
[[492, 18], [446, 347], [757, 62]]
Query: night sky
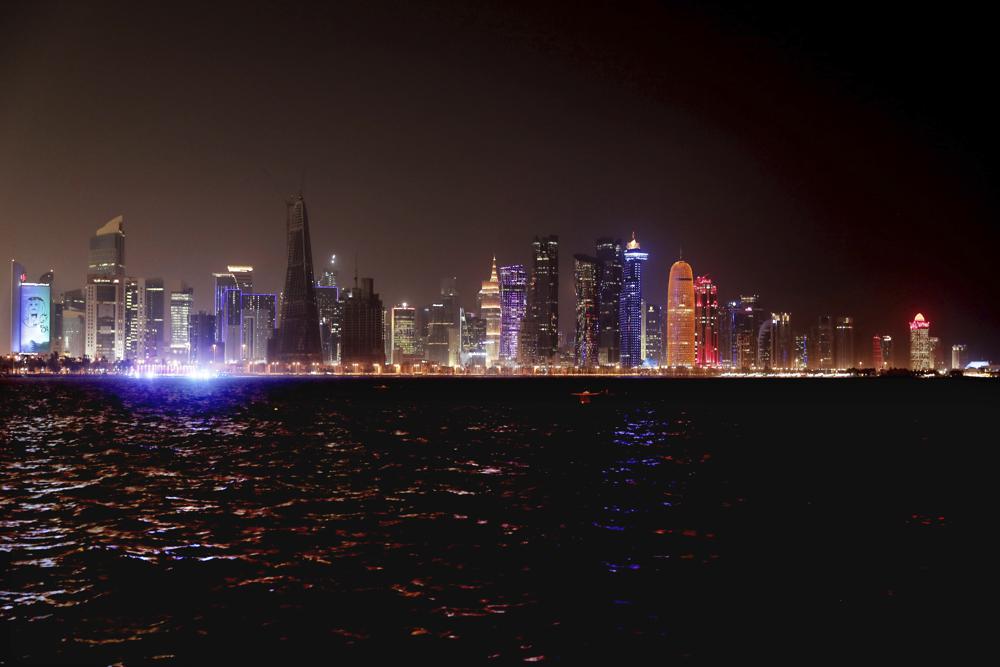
[[835, 159]]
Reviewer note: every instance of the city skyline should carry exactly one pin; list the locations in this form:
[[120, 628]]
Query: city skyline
[[758, 200]]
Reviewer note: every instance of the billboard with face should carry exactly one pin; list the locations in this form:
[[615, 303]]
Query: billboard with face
[[35, 311]]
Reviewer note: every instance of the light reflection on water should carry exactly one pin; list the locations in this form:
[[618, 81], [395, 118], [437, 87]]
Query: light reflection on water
[[176, 520]]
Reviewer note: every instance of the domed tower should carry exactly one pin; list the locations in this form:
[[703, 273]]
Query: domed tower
[[680, 316]]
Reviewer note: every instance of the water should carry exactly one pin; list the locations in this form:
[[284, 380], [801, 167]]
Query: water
[[474, 520]]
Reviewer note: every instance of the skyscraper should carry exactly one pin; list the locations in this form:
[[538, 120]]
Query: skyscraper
[[513, 305], [680, 316], [489, 310], [298, 339], [747, 316], [331, 318], [784, 342], [937, 354], [843, 337], [585, 280], [181, 302], [74, 327], [800, 354], [765, 345], [882, 352], [543, 299], [30, 313], [105, 293], [437, 345], [330, 274], [229, 289], [403, 334], [135, 318], [156, 311], [362, 339], [959, 357], [630, 313], [201, 334], [706, 322], [920, 344], [610, 281], [655, 353], [259, 314], [824, 343]]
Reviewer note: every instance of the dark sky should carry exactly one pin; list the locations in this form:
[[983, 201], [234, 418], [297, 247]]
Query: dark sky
[[837, 158]]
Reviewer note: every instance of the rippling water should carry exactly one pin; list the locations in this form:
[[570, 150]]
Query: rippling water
[[471, 520]]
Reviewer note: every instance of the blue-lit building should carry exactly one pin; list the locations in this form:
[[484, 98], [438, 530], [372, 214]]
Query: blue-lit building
[[630, 313], [513, 306]]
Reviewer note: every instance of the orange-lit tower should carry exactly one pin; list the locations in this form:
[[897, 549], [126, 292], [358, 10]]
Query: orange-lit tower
[[920, 344], [680, 316]]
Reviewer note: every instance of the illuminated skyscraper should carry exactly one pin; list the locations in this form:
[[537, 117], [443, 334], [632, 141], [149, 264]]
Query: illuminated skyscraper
[[843, 337], [30, 314], [229, 289], [403, 334], [259, 312], [765, 345], [706, 322], [882, 352], [513, 305], [654, 335], [330, 274], [74, 327], [156, 312], [784, 342], [937, 354], [105, 293], [630, 313], [610, 281], [800, 354], [920, 344], [201, 334], [824, 343], [297, 341], [331, 317], [543, 298], [136, 309], [680, 316], [489, 311], [746, 318], [436, 349], [585, 281], [181, 303]]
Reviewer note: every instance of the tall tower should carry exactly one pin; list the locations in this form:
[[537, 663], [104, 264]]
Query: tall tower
[[824, 342], [706, 322], [298, 339], [543, 301], [105, 293], [680, 316], [513, 304], [843, 349], [585, 279], [920, 344], [489, 310], [609, 257], [630, 315]]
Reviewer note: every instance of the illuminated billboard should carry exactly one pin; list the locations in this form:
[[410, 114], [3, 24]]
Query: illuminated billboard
[[35, 313]]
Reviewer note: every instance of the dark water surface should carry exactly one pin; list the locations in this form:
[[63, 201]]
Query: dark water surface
[[468, 520]]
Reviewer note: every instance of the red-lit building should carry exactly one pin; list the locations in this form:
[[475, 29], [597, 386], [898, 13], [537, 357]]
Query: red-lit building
[[706, 322]]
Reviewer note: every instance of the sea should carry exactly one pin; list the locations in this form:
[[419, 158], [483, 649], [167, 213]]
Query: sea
[[356, 520]]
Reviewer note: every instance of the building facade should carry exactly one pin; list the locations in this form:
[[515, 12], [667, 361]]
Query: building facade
[[920, 344], [706, 322], [681, 339], [298, 339], [104, 293], [362, 339], [489, 312], [513, 307], [586, 271], [259, 313], [630, 315], [181, 304], [543, 298], [610, 257]]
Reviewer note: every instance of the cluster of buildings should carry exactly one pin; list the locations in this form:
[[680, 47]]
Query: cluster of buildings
[[315, 323]]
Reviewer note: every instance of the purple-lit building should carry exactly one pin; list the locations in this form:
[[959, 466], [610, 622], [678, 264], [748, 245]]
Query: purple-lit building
[[630, 307], [513, 305]]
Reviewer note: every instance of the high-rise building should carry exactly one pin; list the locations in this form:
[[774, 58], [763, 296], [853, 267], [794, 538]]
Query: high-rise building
[[259, 313], [800, 354], [330, 274], [74, 327], [229, 289], [105, 293], [513, 306], [331, 318], [843, 337], [959, 356], [706, 322], [30, 314], [181, 303], [362, 339], [474, 340], [937, 354], [765, 345], [920, 344], [747, 319], [437, 344], [201, 334], [610, 282], [298, 339], [630, 313], [585, 279], [489, 311], [403, 334], [824, 343], [680, 316], [156, 317], [784, 342], [448, 330], [654, 353], [543, 298], [882, 352], [135, 318]]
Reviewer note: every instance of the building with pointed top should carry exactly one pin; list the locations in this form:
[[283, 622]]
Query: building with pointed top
[[630, 315], [681, 345], [298, 341], [489, 311]]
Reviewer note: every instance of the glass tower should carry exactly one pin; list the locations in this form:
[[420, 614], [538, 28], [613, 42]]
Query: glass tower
[[681, 340], [513, 304], [630, 306], [585, 280]]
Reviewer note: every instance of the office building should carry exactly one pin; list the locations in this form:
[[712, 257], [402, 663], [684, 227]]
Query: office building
[[362, 339], [681, 347], [706, 322], [585, 280], [513, 306], [921, 358], [630, 313], [181, 303], [489, 311], [298, 339], [104, 293], [609, 253], [543, 298], [654, 353], [843, 337], [403, 334]]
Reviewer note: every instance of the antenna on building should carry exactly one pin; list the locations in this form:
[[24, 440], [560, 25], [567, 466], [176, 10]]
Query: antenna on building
[[680, 253]]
